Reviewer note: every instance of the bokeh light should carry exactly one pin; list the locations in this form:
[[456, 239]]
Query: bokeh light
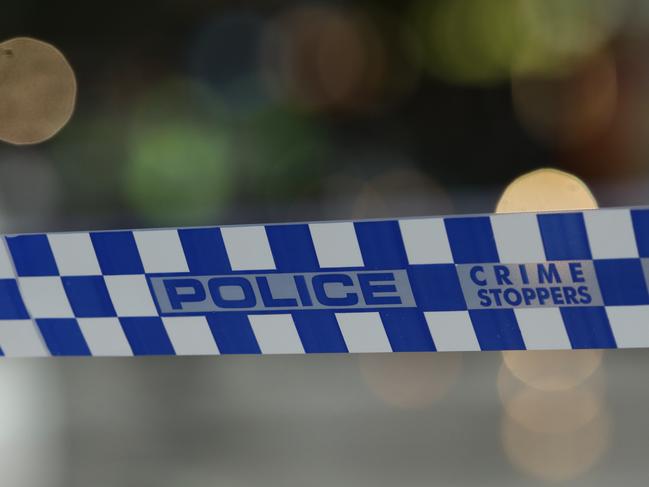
[[319, 57], [556, 456], [550, 411], [570, 108], [412, 380], [404, 191], [559, 35], [553, 370], [555, 426], [405, 381], [572, 28], [546, 190], [468, 41], [179, 166], [482, 42], [38, 91]]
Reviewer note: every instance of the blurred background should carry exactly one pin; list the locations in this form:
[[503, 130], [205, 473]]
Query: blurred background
[[140, 114]]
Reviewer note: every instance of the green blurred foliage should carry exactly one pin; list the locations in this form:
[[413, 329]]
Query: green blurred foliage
[[179, 155]]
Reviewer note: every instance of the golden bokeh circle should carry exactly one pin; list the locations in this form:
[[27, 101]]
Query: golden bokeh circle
[[556, 411], [37, 91], [556, 457], [546, 190], [549, 190], [553, 370], [410, 380]]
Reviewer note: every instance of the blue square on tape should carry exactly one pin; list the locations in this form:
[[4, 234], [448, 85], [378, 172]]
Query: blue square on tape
[[32, 255], [471, 239], [147, 336], [233, 333], [436, 287], [381, 244], [564, 236], [117, 253], [621, 282], [63, 336], [11, 304], [640, 220], [319, 331], [407, 330], [204, 250], [588, 327], [88, 296], [497, 329], [292, 248]]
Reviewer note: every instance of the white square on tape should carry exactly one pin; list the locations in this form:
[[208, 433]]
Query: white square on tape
[[45, 297], [610, 234], [452, 331], [276, 333], [363, 332], [336, 244], [160, 251], [105, 337], [518, 238], [426, 241], [21, 338], [248, 248], [542, 328], [130, 295], [74, 254], [630, 325], [190, 335]]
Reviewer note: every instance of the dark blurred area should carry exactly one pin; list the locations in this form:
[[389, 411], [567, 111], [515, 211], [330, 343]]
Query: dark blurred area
[[204, 112]]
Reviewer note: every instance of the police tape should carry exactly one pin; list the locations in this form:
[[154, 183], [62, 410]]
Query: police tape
[[561, 280]]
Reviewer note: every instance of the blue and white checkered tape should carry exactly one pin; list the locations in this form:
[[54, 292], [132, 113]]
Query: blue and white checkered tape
[[565, 280]]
